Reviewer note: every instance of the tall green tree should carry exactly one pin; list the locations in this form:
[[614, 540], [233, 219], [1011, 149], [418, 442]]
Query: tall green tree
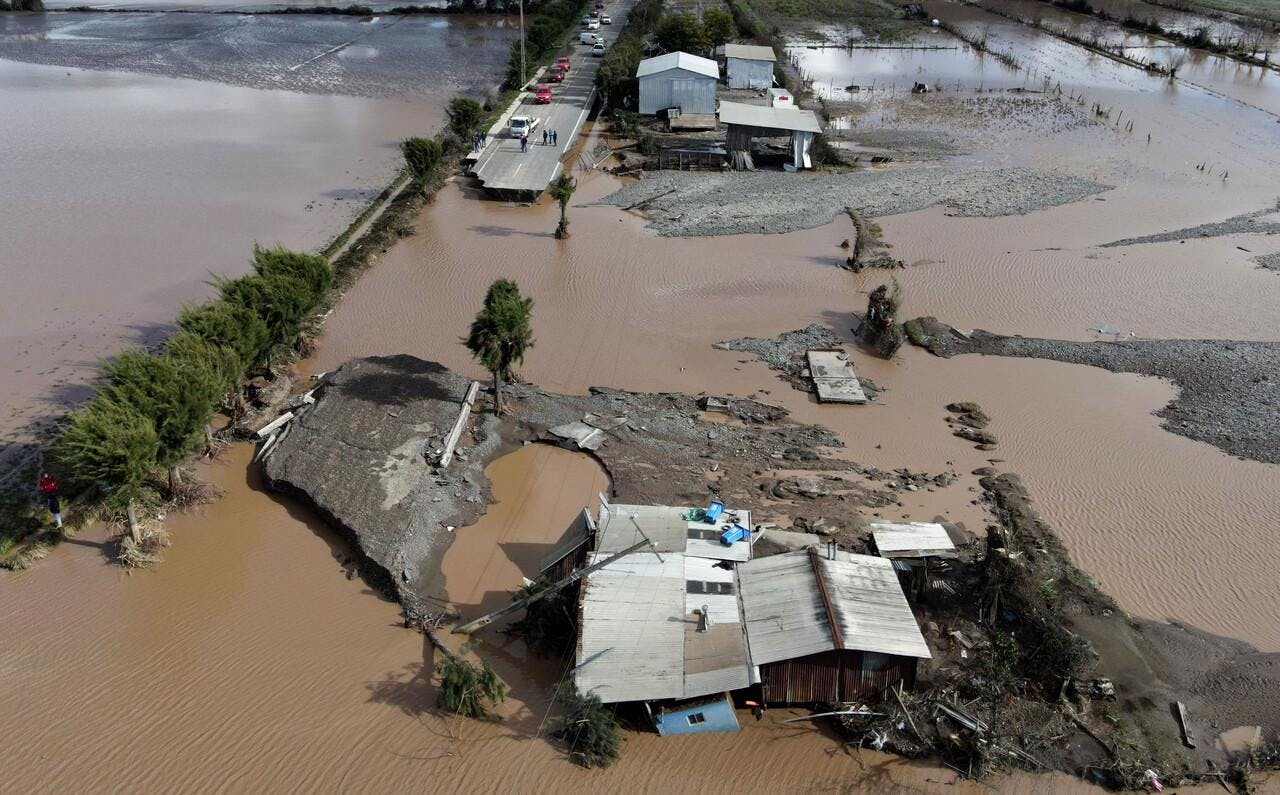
[[719, 26], [501, 333], [562, 191], [683, 32], [109, 444], [231, 326], [465, 117], [176, 393], [422, 156]]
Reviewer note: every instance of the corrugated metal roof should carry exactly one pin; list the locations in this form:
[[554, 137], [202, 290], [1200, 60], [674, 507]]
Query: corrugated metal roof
[[870, 606], [662, 524], [912, 539], [784, 118], [631, 647], [785, 616], [638, 639], [678, 60], [749, 52]]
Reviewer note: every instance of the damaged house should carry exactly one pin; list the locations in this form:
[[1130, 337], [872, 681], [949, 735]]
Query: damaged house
[[690, 621]]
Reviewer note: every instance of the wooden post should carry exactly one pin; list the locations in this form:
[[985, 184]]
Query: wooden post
[[455, 433], [135, 531]]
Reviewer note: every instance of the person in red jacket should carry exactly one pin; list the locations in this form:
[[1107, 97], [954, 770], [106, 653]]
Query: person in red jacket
[[49, 493]]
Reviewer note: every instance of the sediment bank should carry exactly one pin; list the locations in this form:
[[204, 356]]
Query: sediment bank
[[1229, 389], [680, 204]]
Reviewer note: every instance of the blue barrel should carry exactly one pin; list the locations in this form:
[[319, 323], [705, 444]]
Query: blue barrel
[[713, 512], [735, 533]]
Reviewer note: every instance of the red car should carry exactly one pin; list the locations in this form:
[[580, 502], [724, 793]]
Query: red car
[[555, 75], [542, 95], [562, 64]]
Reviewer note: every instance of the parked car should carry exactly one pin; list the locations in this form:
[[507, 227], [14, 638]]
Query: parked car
[[542, 94], [605, 19], [522, 125], [597, 49], [562, 63], [593, 24], [587, 37], [586, 21], [555, 75]]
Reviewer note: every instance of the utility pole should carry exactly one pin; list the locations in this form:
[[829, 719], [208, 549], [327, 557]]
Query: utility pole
[[523, 79]]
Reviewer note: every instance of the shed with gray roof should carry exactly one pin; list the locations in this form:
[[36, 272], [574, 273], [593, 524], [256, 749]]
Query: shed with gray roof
[[749, 65], [678, 80]]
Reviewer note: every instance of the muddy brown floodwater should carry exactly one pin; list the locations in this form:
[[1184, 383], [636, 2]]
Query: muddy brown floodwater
[[248, 663], [128, 190]]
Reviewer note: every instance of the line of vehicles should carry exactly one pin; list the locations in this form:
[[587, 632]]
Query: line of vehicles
[[521, 126]]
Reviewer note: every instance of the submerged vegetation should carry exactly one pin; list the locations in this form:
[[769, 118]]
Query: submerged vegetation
[[590, 729], [467, 690]]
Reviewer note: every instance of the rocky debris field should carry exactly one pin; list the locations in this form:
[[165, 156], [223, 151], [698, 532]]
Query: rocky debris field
[[1270, 262], [1254, 223], [1229, 390], [680, 203]]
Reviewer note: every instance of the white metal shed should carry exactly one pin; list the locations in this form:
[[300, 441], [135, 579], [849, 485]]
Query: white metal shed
[[678, 80]]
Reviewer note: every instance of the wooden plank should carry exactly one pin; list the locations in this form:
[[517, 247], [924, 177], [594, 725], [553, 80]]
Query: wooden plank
[[456, 433], [1188, 739], [276, 423]]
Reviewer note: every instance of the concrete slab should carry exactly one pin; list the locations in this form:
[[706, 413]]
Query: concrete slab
[[833, 376]]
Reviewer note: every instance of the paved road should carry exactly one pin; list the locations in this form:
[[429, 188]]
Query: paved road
[[502, 167]]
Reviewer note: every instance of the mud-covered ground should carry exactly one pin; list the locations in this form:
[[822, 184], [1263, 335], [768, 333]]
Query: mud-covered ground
[[690, 204], [363, 456], [1229, 390], [333, 54]]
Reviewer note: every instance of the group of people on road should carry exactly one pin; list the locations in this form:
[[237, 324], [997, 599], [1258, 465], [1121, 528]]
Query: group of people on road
[[548, 137], [478, 140]]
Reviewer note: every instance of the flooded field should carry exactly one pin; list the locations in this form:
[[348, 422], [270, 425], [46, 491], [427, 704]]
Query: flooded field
[[128, 190], [249, 650]]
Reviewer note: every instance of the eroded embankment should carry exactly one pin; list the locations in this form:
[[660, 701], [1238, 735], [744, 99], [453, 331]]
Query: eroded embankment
[[363, 456], [1229, 389]]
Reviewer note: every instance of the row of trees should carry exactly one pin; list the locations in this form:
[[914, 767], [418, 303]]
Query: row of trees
[[688, 32], [543, 35], [151, 409]]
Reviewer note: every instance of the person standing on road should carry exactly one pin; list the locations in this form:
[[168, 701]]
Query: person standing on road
[[524, 142], [555, 137], [545, 136]]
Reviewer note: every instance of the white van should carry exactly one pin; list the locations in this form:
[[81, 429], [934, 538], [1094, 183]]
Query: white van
[[587, 37]]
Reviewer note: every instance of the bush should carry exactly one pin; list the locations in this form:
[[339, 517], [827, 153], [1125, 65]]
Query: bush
[[422, 156], [282, 302], [465, 117], [548, 625], [230, 326], [683, 32], [590, 729], [107, 442], [176, 395], [465, 689], [719, 25], [311, 270]]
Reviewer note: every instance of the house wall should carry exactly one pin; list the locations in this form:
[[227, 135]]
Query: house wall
[[832, 677], [743, 73], [716, 716], [677, 88]]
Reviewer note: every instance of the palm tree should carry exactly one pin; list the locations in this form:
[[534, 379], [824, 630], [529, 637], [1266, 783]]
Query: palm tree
[[562, 191], [501, 333]]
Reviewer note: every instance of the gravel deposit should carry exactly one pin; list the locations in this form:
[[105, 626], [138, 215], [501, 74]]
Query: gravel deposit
[[1270, 262], [691, 204], [1245, 224], [783, 351], [1229, 391]]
